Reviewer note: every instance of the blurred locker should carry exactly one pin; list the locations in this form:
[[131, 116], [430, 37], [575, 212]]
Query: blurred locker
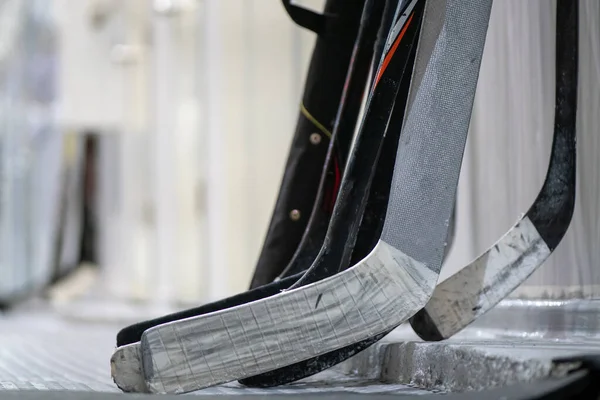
[[31, 147]]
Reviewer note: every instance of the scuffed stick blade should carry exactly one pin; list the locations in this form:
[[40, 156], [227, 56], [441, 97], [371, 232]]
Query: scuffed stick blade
[[126, 369], [479, 286]]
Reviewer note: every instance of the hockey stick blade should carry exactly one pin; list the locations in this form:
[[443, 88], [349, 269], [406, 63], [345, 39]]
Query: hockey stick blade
[[478, 287]]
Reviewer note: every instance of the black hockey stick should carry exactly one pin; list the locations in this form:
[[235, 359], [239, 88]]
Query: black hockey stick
[[369, 232], [478, 287], [341, 138], [308, 155]]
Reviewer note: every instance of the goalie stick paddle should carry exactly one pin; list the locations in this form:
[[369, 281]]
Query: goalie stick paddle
[[475, 289], [384, 26], [352, 198], [381, 291], [335, 255], [309, 156]]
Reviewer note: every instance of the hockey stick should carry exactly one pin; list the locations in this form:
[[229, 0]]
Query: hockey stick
[[371, 225], [343, 131], [353, 89], [309, 153], [478, 287], [381, 291]]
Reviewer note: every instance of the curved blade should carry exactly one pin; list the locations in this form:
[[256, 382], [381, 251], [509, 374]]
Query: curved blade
[[479, 286]]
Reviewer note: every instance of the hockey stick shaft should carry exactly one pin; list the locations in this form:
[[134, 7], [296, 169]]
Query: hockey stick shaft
[[305, 163], [345, 122]]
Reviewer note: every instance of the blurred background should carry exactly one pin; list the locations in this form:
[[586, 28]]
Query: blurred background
[[145, 139], [142, 144]]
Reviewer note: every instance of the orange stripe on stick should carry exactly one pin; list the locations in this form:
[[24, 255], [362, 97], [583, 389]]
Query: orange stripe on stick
[[390, 53]]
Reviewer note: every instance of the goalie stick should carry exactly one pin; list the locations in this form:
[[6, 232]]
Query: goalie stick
[[381, 291], [375, 212], [475, 289]]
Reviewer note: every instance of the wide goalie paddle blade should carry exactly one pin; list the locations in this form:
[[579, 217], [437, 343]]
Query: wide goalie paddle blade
[[479, 286], [375, 210], [352, 198]]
